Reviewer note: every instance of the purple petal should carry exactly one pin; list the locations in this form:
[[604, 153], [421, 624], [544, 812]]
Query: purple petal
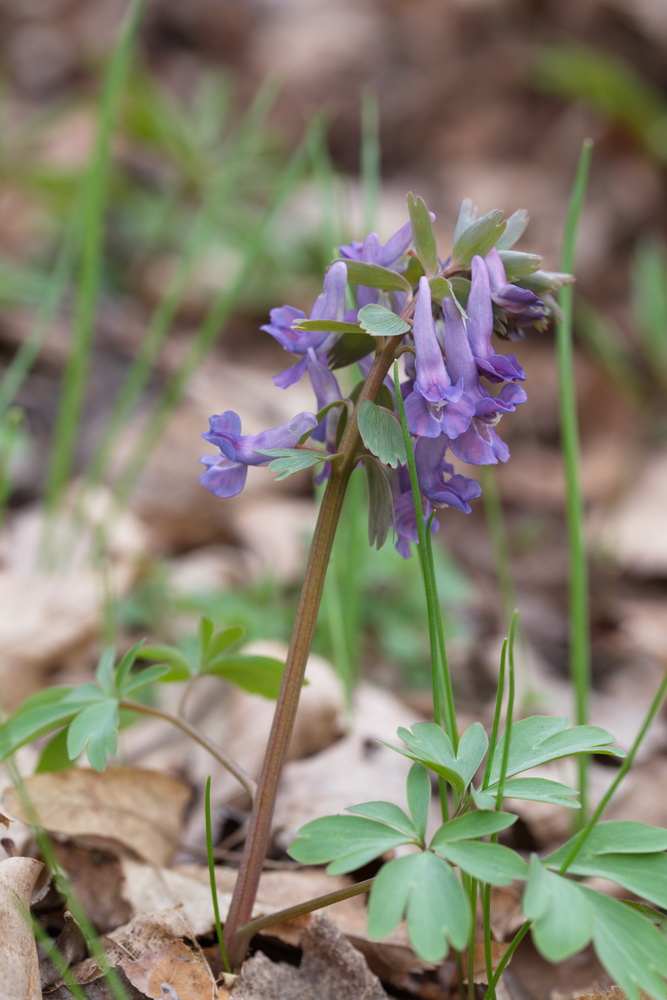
[[225, 479]]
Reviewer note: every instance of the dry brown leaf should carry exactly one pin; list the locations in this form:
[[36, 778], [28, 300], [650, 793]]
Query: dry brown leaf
[[140, 811], [635, 532], [19, 967], [171, 971]]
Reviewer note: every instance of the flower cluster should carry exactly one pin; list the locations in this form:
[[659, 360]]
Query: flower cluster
[[440, 316]]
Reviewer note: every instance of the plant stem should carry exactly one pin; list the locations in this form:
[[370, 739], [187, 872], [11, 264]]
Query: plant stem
[[185, 727], [259, 827], [248, 931]]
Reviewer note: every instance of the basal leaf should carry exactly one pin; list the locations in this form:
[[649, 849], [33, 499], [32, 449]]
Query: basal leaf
[[380, 501], [419, 797], [562, 915], [54, 756], [125, 665], [381, 433], [38, 716], [256, 674], [104, 672], [643, 874], [205, 633], [539, 739], [144, 678], [348, 842], [616, 837], [423, 235], [490, 863], [388, 813], [478, 238], [374, 276], [379, 321], [95, 730], [430, 745], [424, 889], [471, 825], [181, 668], [531, 790], [223, 640], [630, 948]]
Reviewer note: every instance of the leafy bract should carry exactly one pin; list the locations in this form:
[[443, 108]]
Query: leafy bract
[[380, 501], [515, 228], [470, 825], [477, 239], [539, 739], [348, 842], [423, 235], [631, 949], [349, 348], [326, 326], [432, 747], [381, 433], [491, 863], [530, 789], [288, 461], [562, 915], [518, 264], [423, 888], [378, 321], [374, 276]]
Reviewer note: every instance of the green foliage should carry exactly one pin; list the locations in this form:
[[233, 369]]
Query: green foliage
[[480, 236], [289, 461], [381, 322], [561, 914], [424, 237], [381, 433], [432, 747], [374, 276]]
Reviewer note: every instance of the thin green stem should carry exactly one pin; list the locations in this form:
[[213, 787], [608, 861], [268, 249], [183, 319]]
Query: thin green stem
[[495, 521], [509, 713], [504, 961], [495, 728], [211, 875], [180, 723], [472, 896], [578, 574]]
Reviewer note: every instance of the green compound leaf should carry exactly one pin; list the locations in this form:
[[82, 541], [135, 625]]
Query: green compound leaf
[[221, 641], [418, 789], [539, 739], [381, 322], [430, 745], [43, 713], [387, 813], [471, 825], [326, 326], [478, 238], [490, 863], [95, 730], [255, 674], [517, 264], [381, 433], [348, 842], [380, 501], [643, 874], [105, 674], [423, 235], [54, 756], [289, 461], [180, 667], [424, 889], [615, 837], [349, 348], [631, 949], [144, 679], [531, 790], [125, 665], [562, 915], [374, 276]]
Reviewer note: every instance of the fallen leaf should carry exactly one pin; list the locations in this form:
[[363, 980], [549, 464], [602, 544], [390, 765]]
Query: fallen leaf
[[19, 968], [171, 971], [137, 810]]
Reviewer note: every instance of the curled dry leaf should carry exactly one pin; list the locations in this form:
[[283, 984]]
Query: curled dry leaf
[[129, 808], [172, 968], [19, 968]]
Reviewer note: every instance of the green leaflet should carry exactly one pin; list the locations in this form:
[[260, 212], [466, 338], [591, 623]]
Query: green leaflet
[[381, 322], [471, 825], [562, 915], [491, 863], [423, 235], [381, 433], [430, 745], [477, 239], [348, 842]]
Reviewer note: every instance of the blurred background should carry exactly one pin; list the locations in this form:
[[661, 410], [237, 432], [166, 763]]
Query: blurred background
[[156, 205]]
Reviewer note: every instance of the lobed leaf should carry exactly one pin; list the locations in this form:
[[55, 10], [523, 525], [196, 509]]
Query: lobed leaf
[[487, 862], [472, 824], [256, 674], [615, 837], [562, 915], [388, 813], [181, 668], [374, 276], [95, 730], [432, 747], [124, 667], [349, 348], [531, 790], [424, 889], [477, 239], [348, 842], [378, 321], [423, 235], [643, 874], [418, 788], [381, 433], [223, 639], [515, 228], [144, 679], [380, 501]]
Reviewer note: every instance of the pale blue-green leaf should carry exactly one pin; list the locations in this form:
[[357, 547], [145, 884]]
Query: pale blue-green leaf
[[125, 665], [255, 674], [479, 237], [380, 501], [461, 288], [54, 756], [144, 679], [374, 276], [542, 282], [223, 640], [95, 730], [515, 228], [423, 235], [630, 948], [350, 347], [562, 915], [424, 889], [39, 715], [518, 265], [326, 326], [616, 837], [104, 672], [378, 321], [346, 841], [418, 789], [537, 790], [643, 874], [471, 825], [430, 745], [467, 215], [386, 812], [381, 433], [205, 634], [539, 739], [490, 863], [181, 668], [297, 462]]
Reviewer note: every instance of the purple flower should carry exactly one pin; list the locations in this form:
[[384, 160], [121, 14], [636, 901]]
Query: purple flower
[[226, 473], [327, 390], [371, 251], [496, 367], [434, 406], [329, 305], [478, 444], [523, 306]]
